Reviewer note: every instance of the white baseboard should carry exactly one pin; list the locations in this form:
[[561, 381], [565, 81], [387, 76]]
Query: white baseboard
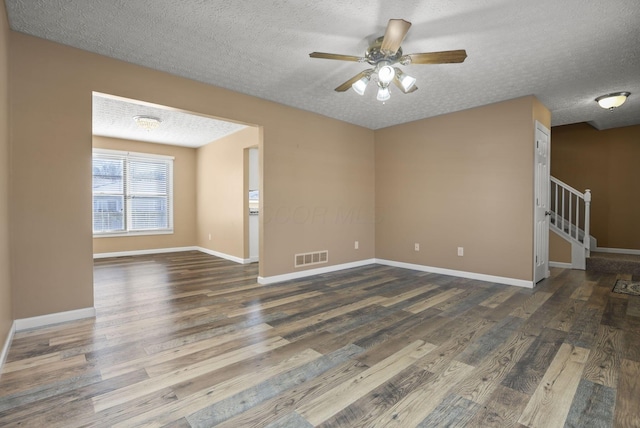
[[311, 272], [144, 252], [617, 250], [49, 319], [223, 255], [7, 344], [255, 259], [561, 265], [174, 250], [459, 273], [422, 268]]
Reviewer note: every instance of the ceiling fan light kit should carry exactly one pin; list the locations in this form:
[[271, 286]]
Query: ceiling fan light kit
[[407, 82], [386, 74], [383, 93], [383, 53], [360, 85], [612, 101]]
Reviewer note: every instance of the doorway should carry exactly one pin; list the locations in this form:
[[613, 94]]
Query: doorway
[[541, 206]]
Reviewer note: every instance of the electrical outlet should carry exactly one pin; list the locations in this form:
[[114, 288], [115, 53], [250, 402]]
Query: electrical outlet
[[417, 246], [209, 237], [460, 251], [356, 245]]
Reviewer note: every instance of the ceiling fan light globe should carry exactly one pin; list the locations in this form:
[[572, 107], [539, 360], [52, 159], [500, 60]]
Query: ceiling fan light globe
[[383, 93], [360, 85], [386, 74], [407, 82]]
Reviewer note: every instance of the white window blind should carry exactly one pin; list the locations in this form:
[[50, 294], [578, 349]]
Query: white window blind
[[132, 193]]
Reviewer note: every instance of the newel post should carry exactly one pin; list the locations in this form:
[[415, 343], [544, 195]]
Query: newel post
[[587, 219]]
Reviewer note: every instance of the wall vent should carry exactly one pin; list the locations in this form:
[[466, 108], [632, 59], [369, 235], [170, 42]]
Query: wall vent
[[315, 258]]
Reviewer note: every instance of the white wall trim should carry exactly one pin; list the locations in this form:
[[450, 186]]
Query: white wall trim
[[7, 344], [459, 273], [174, 250], [255, 259], [223, 255], [144, 252], [422, 268], [46, 320], [561, 265], [617, 250], [311, 272]]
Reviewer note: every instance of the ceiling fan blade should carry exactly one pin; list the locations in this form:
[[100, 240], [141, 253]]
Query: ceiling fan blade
[[347, 85], [399, 85], [394, 35], [444, 57], [339, 57]]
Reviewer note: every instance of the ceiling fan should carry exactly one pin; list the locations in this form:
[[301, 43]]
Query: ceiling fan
[[383, 54]]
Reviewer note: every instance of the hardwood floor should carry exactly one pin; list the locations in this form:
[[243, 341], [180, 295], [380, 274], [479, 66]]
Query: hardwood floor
[[190, 340]]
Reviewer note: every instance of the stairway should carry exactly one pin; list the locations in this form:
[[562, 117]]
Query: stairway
[[569, 212], [614, 263], [569, 216]]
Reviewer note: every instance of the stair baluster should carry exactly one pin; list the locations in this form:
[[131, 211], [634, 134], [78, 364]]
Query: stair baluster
[[568, 206]]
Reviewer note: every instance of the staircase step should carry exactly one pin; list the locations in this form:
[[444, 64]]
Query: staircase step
[[614, 263]]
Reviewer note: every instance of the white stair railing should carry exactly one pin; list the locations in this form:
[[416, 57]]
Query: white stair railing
[[570, 213]]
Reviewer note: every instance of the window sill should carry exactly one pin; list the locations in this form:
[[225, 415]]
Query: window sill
[[131, 234]]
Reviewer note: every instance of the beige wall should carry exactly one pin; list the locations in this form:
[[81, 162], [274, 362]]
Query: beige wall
[[607, 163], [222, 197], [460, 180], [6, 315], [184, 199], [559, 249], [307, 161], [318, 193]]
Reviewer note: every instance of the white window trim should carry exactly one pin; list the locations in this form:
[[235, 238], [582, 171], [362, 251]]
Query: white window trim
[[121, 153], [132, 154]]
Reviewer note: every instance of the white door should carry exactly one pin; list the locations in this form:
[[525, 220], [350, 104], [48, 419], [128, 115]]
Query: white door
[[541, 215], [254, 185]]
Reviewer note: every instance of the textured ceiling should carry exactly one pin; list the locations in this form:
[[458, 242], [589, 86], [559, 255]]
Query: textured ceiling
[[113, 117], [566, 52]]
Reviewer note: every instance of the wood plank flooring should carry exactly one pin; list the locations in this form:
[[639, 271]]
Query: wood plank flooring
[[191, 340]]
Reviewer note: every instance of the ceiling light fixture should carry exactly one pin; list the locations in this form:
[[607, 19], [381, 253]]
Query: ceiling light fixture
[[382, 55], [360, 85], [386, 74], [614, 100], [407, 82], [147, 122], [383, 93]]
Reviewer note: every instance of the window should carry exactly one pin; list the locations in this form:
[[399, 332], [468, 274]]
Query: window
[[132, 193]]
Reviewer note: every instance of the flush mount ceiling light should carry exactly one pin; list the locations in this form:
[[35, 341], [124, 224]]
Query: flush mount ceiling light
[[382, 54], [147, 122], [614, 100]]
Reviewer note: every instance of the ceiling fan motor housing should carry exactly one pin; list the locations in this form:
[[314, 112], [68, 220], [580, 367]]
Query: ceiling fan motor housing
[[375, 54]]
